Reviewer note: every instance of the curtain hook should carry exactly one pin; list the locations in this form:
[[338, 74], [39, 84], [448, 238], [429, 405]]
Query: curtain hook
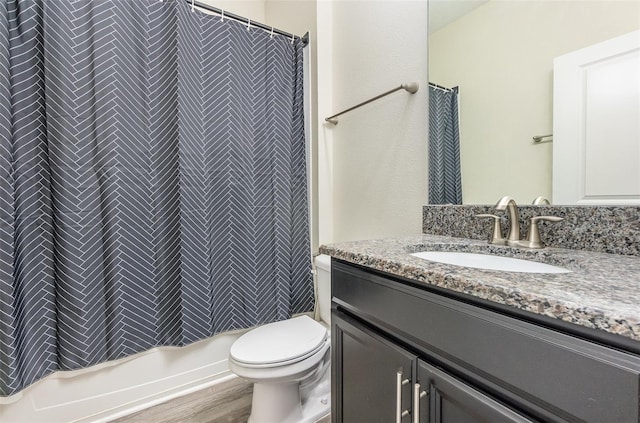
[[221, 15], [293, 37], [248, 24], [271, 35], [193, 5]]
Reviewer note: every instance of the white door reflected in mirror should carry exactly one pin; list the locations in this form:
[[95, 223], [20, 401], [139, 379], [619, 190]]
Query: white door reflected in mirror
[[596, 124]]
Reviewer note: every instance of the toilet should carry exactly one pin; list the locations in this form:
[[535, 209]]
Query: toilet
[[288, 362]]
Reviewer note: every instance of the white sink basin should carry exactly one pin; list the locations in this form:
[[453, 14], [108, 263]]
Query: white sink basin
[[489, 262]]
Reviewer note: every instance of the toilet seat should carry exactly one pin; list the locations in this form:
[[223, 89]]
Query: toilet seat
[[280, 343]]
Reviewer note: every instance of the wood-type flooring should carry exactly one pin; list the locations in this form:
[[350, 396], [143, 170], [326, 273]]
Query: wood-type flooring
[[227, 402]]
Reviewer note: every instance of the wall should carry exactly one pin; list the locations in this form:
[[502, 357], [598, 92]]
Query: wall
[[373, 182], [501, 56], [325, 133]]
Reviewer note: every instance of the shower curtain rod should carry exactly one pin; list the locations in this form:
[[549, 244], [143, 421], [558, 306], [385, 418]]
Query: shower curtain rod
[[243, 20], [431, 84]]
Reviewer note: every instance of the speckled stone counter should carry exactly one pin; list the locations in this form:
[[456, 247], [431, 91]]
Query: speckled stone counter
[[602, 291], [606, 229]]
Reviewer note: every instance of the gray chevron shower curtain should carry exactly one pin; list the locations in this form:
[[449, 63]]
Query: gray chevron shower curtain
[[445, 182], [152, 181]]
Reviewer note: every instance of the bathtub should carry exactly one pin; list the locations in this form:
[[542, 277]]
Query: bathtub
[[116, 388]]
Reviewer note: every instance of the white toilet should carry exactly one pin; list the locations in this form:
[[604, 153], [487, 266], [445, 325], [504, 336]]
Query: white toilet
[[288, 362]]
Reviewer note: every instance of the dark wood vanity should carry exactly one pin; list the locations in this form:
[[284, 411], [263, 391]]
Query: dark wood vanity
[[407, 351]]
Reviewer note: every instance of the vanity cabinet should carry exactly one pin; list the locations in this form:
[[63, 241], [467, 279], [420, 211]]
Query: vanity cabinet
[[375, 374], [450, 400], [377, 386], [405, 352]]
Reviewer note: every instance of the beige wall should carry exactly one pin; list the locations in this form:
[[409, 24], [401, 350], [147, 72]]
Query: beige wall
[[501, 57], [373, 172], [369, 172]]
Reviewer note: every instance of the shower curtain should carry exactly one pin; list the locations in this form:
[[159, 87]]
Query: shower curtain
[[152, 181], [445, 183]]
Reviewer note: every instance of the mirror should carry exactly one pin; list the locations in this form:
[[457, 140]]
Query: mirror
[[500, 54]]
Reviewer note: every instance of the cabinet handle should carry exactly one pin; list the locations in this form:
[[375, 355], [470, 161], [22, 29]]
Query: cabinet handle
[[417, 396], [399, 384]]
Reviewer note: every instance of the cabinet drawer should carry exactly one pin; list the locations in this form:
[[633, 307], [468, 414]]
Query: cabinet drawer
[[550, 372]]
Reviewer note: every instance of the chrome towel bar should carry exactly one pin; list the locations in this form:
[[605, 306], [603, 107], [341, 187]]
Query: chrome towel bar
[[411, 87], [537, 139]]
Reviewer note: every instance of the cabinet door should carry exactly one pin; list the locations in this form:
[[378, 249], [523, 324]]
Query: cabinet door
[[372, 377], [449, 400]]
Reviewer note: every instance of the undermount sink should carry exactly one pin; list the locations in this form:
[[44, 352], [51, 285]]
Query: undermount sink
[[489, 262]]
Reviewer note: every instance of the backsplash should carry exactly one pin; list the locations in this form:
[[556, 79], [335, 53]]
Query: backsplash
[[607, 229]]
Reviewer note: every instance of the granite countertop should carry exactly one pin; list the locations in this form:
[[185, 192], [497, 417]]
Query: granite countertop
[[601, 292]]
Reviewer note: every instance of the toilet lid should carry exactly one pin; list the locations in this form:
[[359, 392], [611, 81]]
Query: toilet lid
[[279, 342]]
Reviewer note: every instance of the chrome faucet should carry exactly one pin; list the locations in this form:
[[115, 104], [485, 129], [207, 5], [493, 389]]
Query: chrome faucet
[[509, 203], [513, 239]]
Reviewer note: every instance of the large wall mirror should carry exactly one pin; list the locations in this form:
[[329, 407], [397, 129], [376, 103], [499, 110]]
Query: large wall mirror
[[500, 54]]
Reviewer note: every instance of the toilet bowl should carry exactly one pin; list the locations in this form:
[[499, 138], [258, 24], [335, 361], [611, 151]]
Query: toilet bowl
[[278, 358], [288, 363]]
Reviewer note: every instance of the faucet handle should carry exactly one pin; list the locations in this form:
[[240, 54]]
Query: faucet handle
[[541, 201], [496, 236], [533, 240]]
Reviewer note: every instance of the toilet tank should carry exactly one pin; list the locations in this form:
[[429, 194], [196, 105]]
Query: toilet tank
[[323, 279]]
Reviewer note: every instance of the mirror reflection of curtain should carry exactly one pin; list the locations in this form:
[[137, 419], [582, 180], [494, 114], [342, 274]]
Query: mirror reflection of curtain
[[445, 185]]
